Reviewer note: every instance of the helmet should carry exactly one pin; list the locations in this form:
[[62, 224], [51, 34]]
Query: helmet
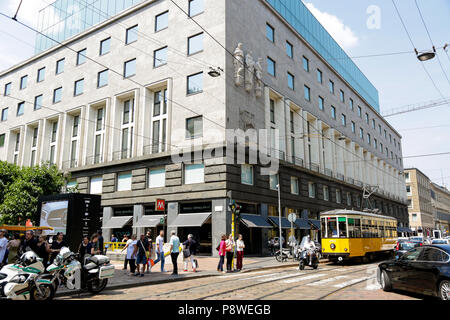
[[64, 253], [28, 258]]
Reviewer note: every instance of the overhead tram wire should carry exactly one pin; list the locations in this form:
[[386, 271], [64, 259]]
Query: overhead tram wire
[[431, 40], [412, 43], [313, 127]]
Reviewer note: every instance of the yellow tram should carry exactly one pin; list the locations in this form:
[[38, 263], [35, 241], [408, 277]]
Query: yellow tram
[[356, 234]]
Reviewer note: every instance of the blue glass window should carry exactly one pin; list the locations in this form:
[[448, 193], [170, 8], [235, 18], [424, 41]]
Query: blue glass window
[[41, 75], [81, 56], [291, 81], [307, 93], [23, 82], [319, 76], [57, 95], [60, 66], [195, 7], [306, 64], [331, 86], [195, 43], [162, 21], [321, 103], [270, 32], [333, 112], [8, 89], [105, 46], [271, 66], [78, 87], [160, 57], [102, 79], [195, 83], [289, 49], [38, 102], [129, 68], [132, 34], [20, 108]]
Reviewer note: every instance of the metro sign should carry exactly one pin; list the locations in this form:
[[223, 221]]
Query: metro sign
[[160, 205]]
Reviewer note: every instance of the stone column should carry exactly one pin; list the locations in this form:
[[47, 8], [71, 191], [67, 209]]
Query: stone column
[[138, 212], [108, 213], [172, 214], [220, 222], [265, 231]]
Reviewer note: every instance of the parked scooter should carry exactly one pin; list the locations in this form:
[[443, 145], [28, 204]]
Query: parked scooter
[[308, 255], [92, 275], [24, 280]]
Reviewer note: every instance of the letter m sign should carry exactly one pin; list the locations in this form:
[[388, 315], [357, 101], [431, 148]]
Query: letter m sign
[[160, 205]]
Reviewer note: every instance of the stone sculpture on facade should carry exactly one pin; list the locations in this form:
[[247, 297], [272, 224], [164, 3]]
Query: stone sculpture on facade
[[258, 76], [249, 71], [239, 65]]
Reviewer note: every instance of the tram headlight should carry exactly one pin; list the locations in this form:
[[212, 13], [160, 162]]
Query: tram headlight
[[345, 249], [333, 246]]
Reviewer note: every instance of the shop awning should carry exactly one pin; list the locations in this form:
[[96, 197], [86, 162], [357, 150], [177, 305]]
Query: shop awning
[[190, 219], [404, 229], [285, 224], [302, 224], [117, 222], [315, 224], [149, 221], [254, 221]]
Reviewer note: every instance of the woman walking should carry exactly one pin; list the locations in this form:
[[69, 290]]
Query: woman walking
[[190, 248], [230, 252], [240, 252], [222, 250], [131, 257], [13, 247], [43, 249]]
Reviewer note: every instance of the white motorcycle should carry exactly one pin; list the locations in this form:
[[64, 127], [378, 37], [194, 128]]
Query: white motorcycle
[[24, 280], [92, 275]]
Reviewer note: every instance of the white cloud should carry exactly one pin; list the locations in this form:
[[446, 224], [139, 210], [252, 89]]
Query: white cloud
[[343, 34]]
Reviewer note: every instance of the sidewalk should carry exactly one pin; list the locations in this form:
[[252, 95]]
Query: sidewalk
[[207, 268]]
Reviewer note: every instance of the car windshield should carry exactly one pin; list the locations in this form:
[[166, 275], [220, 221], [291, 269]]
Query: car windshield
[[407, 245], [439, 242]]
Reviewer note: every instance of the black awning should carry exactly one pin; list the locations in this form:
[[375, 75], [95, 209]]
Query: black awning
[[315, 224], [254, 221], [302, 224], [285, 224]]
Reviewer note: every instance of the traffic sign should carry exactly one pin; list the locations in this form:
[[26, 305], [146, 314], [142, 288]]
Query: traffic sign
[[160, 205], [162, 220], [292, 217]]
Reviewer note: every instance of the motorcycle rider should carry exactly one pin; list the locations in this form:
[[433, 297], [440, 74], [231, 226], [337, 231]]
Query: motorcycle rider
[[309, 244]]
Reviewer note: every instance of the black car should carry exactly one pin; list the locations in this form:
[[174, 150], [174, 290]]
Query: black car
[[424, 270]]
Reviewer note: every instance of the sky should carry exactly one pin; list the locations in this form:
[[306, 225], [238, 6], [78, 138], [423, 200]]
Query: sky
[[361, 27]]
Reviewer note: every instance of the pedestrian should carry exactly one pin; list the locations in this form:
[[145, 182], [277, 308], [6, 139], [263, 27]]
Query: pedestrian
[[230, 252], [13, 247], [114, 239], [222, 251], [160, 250], [3, 246], [29, 243], [100, 241], [93, 246], [57, 245], [139, 252], [128, 241], [82, 249], [174, 251], [43, 250], [125, 238], [189, 251], [131, 257], [240, 246], [148, 251]]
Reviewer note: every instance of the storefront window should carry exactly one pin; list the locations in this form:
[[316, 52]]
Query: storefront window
[[272, 211], [247, 174]]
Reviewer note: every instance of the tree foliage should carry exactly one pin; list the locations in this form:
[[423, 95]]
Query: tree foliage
[[20, 189]]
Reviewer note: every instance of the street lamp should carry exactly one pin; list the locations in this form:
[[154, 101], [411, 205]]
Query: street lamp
[[425, 55], [279, 218], [215, 72]]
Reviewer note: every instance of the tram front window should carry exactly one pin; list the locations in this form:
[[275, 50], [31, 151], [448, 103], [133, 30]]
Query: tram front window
[[332, 228], [342, 227]]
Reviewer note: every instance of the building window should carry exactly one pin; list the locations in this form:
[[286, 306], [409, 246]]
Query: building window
[[361, 133], [159, 121], [381, 147], [307, 93], [247, 174], [105, 46], [102, 78], [129, 68], [124, 181], [37, 102], [408, 190], [333, 112], [99, 135], [162, 21], [344, 120], [16, 148], [53, 142], [414, 216], [273, 182], [41, 75], [359, 112], [194, 173], [368, 139], [160, 57], [321, 103], [2, 140], [4, 114], [127, 129], [156, 178], [195, 83], [195, 7], [131, 34], [338, 196], [375, 143], [271, 66], [305, 64], [96, 185], [291, 121], [289, 49], [270, 32], [74, 141], [20, 108], [319, 76], [195, 43], [60, 66], [349, 199], [294, 185], [272, 111], [326, 193], [373, 123], [291, 81], [78, 87], [351, 104], [407, 179], [353, 127], [57, 95], [8, 89], [194, 127], [367, 118], [311, 189], [332, 87], [342, 96], [379, 129], [81, 56], [23, 82]]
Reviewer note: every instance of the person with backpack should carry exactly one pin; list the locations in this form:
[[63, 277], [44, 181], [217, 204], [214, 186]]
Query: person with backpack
[[189, 251]]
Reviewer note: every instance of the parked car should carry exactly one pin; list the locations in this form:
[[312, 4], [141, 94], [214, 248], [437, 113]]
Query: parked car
[[440, 241], [404, 246], [424, 269], [416, 239]]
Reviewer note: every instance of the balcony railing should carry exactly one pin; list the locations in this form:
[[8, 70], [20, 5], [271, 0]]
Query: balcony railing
[[350, 180], [340, 176], [314, 167], [94, 159], [328, 172], [69, 164], [155, 148], [122, 154]]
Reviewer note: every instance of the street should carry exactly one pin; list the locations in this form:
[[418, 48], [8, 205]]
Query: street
[[329, 282]]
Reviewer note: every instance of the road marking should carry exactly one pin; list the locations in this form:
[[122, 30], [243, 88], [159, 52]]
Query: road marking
[[325, 281], [350, 282], [242, 274], [312, 276], [278, 277]]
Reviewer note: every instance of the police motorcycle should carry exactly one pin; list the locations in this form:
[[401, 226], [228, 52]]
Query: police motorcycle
[[91, 275], [25, 280], [308, 254]]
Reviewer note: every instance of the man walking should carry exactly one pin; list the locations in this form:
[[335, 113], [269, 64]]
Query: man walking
[[174, 251], [141, 259], [29, 243], [160, 250], [100, 241], [148, 251]]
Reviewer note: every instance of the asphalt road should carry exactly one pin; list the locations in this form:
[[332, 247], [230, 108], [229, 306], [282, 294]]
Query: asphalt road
[[330, 281]]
